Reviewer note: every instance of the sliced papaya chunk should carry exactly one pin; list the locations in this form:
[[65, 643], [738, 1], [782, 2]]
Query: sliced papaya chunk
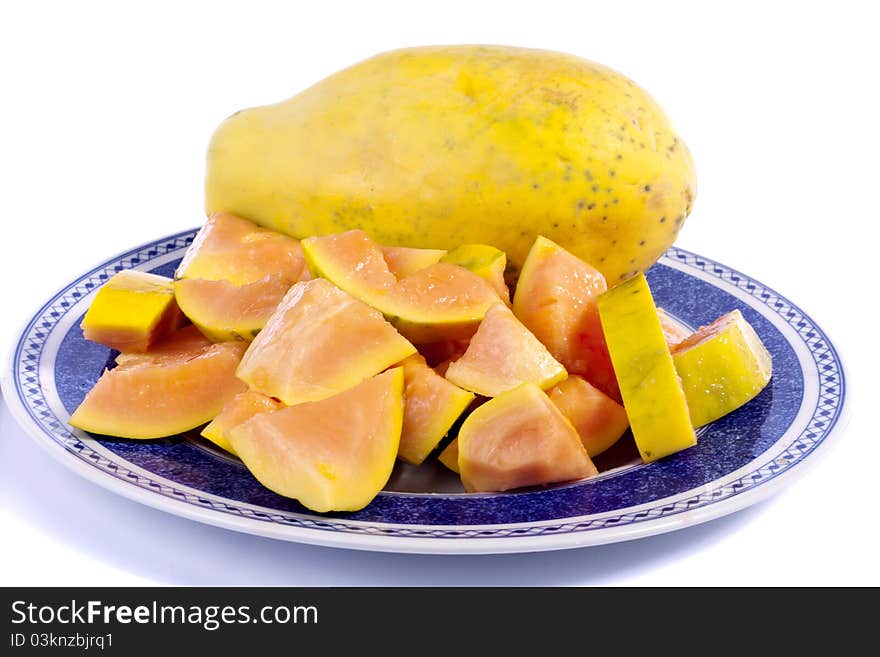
[[229, 248], [651, 390], [518, 439], [555, 298], [353, 262], [180, 384], [433, 404], [599, 420], [332, 455], [439, 302], [486, 262], [132, 311], [319, 342], [225, 311], [240, 408], [403, 261], [673, 332], [502, 355], [449, 456], [722, 366]]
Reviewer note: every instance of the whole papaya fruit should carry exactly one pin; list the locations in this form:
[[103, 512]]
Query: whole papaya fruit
[[439, 146]]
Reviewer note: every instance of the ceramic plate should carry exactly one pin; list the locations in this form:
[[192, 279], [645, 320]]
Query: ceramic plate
[[739, 459]]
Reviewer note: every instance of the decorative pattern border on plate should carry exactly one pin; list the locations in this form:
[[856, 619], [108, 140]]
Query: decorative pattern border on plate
[[29, 350]]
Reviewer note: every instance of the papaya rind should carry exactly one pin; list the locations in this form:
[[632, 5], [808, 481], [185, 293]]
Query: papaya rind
[[652, 394], [132, 311], [722, 367]]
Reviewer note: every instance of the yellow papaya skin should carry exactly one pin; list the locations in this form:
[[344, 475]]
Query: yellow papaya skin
[[722, 366], [132, 311], [652, 394], [439, 146]]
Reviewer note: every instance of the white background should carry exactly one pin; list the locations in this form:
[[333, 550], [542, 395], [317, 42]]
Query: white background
[[104, 120]]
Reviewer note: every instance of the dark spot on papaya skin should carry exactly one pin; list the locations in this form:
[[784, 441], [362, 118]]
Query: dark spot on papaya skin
[[591, 206], [647, 188], [632, 261], [619, 157], [581, 204], [662, 220], [611, 173], [536, 186], [608, 189], [613, 242], [588, 175], [604, 218], [604, 205], [595, 188], [556, 225], [614, 201], [642, 243]]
